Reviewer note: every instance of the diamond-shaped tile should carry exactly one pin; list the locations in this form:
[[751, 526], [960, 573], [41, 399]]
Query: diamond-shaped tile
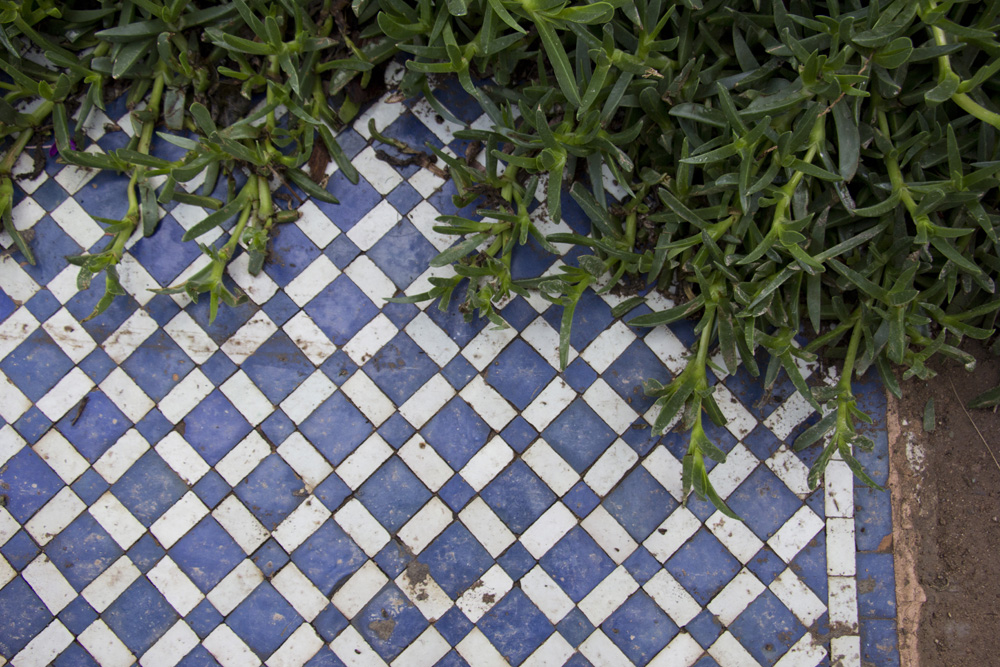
[[640, 628], [28, 483], [390, 622], [577, 563], [149, 488], [272, 491], [456, 433], [206, 554], [400, 368], [767, 629], [519, 373], [82, 551], [36, 365], [93, 427], [764, 502], [157, 365], [328, 557], [393, 494], [456, 559], [214, 427], [341, 310], [24, 617], [639, 504], [264, 620], [518, 496], [579, 435], [516, 627], [703, 566], [336, 428], [140, 616]]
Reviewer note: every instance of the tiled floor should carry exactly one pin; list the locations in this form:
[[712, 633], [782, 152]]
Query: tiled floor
[[322, 478]]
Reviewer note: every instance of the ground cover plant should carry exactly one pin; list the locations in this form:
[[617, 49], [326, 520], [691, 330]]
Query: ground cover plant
[[783, 168]]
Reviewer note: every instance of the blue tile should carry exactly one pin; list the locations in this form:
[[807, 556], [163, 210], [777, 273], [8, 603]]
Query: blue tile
[[278, 367], [82, 551], [328, 557], [162, 309], [810, 565], [264, 620], [764, 502], [390, 622], [767, 629], [77, 616], [518, 496], [211, 489], [706, 661], [703, 566], [198, 657], [290, 252], [97, 365], [453, 626], [90, 486], [766, 565], [444, 201], [453, 321], [762, 442], [157, 365], [872, 517], [879, 642], [393, 558], [396, 430], [640, 628], [277, 427], [519, 434], [43, 305], [218, 368], [332, 492], [204, 618], [705, 628], [459, 372], [581, 499], [518, 313], [50, 246], [20, 550], [82, 305], [400, 314], [270, 558], [642, 565], [456, 493], [342, 251], [577, 563], [339, 367], [149, 488], [214, 427], [579, 435], [336, 428], [280, 308], [140, 616], [7, 306], [403, 254], [579, 375], [639, 436], [24, 616], [206, 554], [530, 260], [93, 427], [105, 196], [146, 553], [515, 626], [49, 195], [519, 373], [325, 658], [28, 483], [228, 320], [36, 365], [356, 200], [400, 368], [456, 559], [451, 94], [329, 623], [154, 426], [456, 433], [592, 317], [393, 494], [630, 371], [452, 659], [575, 627], [639, 504], [163, 254], [516, 561], [272, 491], [341, 310], [876, 587], [404, 198]]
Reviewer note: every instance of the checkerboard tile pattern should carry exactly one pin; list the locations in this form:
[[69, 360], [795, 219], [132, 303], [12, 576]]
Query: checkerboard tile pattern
[[323, 478]]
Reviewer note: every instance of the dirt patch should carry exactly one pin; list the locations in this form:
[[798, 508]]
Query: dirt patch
[[946, 488]]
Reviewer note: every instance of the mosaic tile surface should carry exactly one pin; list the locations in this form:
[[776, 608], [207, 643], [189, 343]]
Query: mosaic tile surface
[[322, 478]]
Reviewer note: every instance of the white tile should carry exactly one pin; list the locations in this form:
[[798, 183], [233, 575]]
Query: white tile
[[432, 339], [736, 596], [179, 519], [353, 650], [479, 652], [15, 282], [798, 597], [840, 545], [127, 395], [55, 516], [13, 403], [845, 651], [425, 463], [487, 463], [120, 456], [22, 170], [77, 223], [130, 335], [374, 225], [171, 648], [235, 587], [378, 173], [609, 534], [49, 584], [316, 225], [298, 649], [672, 598], [488, 343], [8, 526], [69, 335], [101, 642], [10, 443], [16, 328], [175, 586], [611, 407], [185, 395], [182, 457], [371, 280], [248, 399], [365, 394], [243, 458], [115, 518], [309, 338], [61, 456], [359, 589], [550, 467], [486, 592], [312, 281], [491, 407], [190, 337], [63, 287], [240, 524], [547, 530], [541, 336], [426, 182], [299, 591], [839, 482], [308, 396], [735, 536], [549, 404], [843, 601], [799, 530], [675, 530], [804, 653], [423, 282], [44, 647], [728, 652], [668, 348], [136, 281], [739, 421], [600, 650], [442, 127], [249, 337], [370, 339], [258, 288], [546, 594], [610, 467], [72, 177], [728, 475], [424, 217], [104, 590], [790, 469], [682, 651], [427, 400], [307, 463], [425, 525], [299, 526], [608, 346], [425, 651], [66, 395], [788, 415], [364, 461], [226, 647], [486, 527], [362, 527]]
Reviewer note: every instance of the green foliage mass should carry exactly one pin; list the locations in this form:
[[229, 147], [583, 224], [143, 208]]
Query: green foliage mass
[[783, 167]]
